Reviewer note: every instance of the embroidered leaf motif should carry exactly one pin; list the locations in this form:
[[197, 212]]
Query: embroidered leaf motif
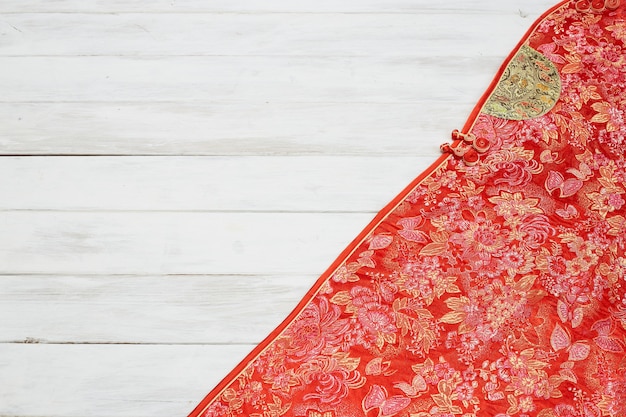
[[380, 242], [346, 362], [575, 65], [342, 298], [577, 317], [618, 225], [568, 375], [562, 310], [457, 303], [439, 237], [277, 407], [559, 338], [438, 246], [570, 187], [453, 317], [603, 112], [470, 189], [608, 179], [390, 338], [433, 249], [394, 405], [579, 351], [513, 404], [609, 344], [374, 398], [554, 181], [526, 283], [444, 399], [603, 327]]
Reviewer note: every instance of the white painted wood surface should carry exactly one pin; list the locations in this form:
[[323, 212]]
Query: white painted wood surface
[[177, 173], [228, 128], [303, 184]]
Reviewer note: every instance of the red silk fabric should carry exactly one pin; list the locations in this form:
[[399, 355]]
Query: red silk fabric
[[494, 288]]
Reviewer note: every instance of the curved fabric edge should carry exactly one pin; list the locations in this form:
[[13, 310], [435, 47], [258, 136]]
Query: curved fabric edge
[[380, 216], [494, 82]]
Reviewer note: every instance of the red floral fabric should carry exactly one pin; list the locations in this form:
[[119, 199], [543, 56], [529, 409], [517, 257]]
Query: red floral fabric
[[494, 289]]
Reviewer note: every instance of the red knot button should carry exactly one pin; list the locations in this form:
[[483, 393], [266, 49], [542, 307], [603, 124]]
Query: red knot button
[[481, 145]]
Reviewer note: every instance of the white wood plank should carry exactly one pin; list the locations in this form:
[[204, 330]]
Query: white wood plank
[[245, 78], [173, 242], [244, 128], [301, 184], [179, 309], [110, 380], [407, 35], [248, 6]]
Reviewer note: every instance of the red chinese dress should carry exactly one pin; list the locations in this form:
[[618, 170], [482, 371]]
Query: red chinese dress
[[495, 283]]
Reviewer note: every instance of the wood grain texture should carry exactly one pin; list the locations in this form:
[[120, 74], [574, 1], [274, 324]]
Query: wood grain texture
[[463, 7], [173, 309], [254, 34], [229, 129], [110, 380], [61, 242], [251, 79], [306, 184], [234, 148]]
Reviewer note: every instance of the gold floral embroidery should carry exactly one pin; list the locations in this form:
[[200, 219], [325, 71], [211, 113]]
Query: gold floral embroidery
[[529, 87]]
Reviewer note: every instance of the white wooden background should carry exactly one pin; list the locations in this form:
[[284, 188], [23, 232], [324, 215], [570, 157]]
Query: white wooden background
[[175, 174]]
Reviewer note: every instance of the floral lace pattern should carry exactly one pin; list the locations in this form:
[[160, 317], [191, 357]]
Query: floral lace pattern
[[489, 290]]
